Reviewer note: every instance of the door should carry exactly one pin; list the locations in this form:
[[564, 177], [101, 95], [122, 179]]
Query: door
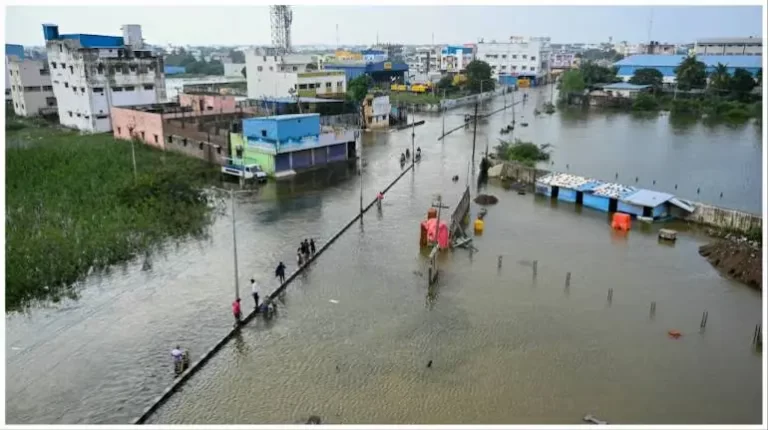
[[555, 191], [613, 205], [579, 197], [647, 212]]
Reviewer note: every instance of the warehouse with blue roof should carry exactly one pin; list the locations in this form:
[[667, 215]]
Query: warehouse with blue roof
[[666, 64], [611, 197]]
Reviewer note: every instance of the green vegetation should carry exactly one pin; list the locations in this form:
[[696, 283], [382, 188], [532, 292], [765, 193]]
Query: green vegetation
[[648, 76], [414, 98], [193, 67], [357, 89], [73, 205], [572, 82], [691, 74], [527, 153], [479, 77], [645, 102]]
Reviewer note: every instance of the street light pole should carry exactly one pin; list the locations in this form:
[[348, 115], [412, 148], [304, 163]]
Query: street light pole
[[413, 134], [444, 109]]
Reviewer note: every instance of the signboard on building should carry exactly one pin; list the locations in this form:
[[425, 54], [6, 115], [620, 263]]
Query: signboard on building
[[381, 105], [387, 66]]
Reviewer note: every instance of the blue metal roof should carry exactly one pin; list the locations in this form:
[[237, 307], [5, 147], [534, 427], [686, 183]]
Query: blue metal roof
[[95, 40], [589, 186], [289, 117], [742, 61], [292, 100], [17, 50], [647, 198], [454, 49], [625, 86]]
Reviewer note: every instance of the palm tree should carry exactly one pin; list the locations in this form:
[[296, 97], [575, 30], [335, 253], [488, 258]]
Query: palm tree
[[719, 79]]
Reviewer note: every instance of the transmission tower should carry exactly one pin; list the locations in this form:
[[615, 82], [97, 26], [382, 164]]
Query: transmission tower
[[281, 18]]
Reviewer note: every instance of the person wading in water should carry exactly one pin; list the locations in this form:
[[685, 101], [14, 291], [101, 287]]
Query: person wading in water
[[280, 272]]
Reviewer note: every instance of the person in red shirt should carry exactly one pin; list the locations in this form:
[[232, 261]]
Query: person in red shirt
[[236, 310]]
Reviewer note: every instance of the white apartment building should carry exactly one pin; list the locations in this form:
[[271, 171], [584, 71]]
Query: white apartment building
[[424, 60], [730, 46], [276, 75], [31, 90], [92, 73], [518, 57]]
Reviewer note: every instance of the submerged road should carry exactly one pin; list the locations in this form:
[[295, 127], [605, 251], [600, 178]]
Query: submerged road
[[102, 358]]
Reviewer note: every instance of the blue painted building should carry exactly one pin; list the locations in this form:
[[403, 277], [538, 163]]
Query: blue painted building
[[373, 55], [288, 143], [666, 64], [610, 197], [381, 72]]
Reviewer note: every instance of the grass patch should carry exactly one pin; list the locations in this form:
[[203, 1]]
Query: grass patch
[[73, 205]]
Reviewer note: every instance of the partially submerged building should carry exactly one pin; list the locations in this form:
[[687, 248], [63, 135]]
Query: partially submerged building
[[31, 90], [611, 197], [285, 144]]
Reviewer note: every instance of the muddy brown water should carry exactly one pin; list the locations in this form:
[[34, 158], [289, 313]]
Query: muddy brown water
[[504, 349]]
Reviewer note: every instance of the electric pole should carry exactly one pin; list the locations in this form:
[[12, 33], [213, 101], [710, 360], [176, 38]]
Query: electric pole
[[413, 134], [234, 245], [474, 138]]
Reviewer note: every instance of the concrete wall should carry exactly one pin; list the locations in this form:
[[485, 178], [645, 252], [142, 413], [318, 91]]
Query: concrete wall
[[147, 126], [724, 218], [212, 103]]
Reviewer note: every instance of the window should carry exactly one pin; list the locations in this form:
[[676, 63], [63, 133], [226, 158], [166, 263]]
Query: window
[[524, 56], [504, 56], [61, 49], [514, 67], [184, 141], [66, 84], [101, 116], [130, 88], [533, 69], [149, 87], [503, 67], [523, 67], [302, 86], [209, 108], [200, 145], [100, 69], [99, 90], [74, 90], [533, 58], [13, 87], [71, 69], [218, 149], [259, 68], [47, 88], [22, 106], [118, 69], [78, 114], [116, 89], [53, 64], [295, 68], [82, 90], [86, 117], [142, 135], [70, 113], [132, 68], [328, 84], [514, 57], [339, 84], [155, 138], [271, 68], [170, 139], [50, 101], [263, 133]]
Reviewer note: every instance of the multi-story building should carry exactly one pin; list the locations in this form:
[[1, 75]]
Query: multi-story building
[[91, 73], [11, 51], [518, 58], [31, 89], [656, 48], [376, 110], [730, 46], [270, 75], [374, 55], [563, 60], [424, 60], [454, 59]]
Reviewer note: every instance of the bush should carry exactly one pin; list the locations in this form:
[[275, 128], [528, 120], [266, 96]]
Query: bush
[[644, 102]]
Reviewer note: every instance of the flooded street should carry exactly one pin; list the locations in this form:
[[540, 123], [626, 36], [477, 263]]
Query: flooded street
[[505, 349]]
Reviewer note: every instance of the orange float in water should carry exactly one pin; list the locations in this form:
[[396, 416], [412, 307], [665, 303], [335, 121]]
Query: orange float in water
[[674, 334], [621, 222]]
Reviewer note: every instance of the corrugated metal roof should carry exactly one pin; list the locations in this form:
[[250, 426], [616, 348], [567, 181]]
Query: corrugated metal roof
[[647, 198], [743, 61], [682, 204], [613, 191], [292, 100], [730, 40], [625, 86]]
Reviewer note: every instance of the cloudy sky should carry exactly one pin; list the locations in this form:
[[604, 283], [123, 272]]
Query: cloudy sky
[[246, 25]]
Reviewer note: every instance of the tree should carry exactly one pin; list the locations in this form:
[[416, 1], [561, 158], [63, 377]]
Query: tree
[[742, 82], [571, 82], [445, 83], [644, 102], [311, 67], [357, 88], [719, 79], [691, 74], [647, 76], [479, 77], [595, 74], [237, 56]]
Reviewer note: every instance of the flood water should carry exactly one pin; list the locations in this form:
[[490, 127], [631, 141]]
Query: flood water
[[504, 349]]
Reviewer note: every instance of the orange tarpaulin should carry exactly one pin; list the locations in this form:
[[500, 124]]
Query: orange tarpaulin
[[621, 222], [440, 236]]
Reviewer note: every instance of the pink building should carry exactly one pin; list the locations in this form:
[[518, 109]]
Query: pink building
[[142, 122], [208, 102]]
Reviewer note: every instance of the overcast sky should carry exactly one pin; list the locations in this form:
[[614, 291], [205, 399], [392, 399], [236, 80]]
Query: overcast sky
[[244, 25]]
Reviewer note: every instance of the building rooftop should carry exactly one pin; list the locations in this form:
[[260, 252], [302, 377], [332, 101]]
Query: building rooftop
[[292, 100], [14, 50], [289, 117], [652, 199], [742, 61], [737, 40], [625, 86]]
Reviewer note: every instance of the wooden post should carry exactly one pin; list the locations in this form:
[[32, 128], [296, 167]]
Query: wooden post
[[610, 295], [653, 309], [499, 262], [568, 280], [704, 317], [535, 268]]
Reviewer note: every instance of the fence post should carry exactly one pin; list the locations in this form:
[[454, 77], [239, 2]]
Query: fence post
[[653, 309], [568, 280], [704, 317], [535, 268]]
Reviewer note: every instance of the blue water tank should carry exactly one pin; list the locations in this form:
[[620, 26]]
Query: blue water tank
[[50, 31]]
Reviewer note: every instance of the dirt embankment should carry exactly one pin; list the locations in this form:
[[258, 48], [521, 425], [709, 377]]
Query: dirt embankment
[[737, 258]]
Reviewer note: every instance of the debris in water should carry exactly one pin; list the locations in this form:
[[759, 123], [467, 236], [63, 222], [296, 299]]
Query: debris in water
[[485, 199], [594, 420], [333, 301], [429, 364], [314, 419]]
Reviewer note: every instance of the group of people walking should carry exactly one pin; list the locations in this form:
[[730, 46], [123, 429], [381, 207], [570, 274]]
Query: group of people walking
[[305, 251]]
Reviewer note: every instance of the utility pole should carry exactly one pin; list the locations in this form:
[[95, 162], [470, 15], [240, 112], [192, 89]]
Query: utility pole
[[360, 144], [234, 245], [444, 109], [413, 134], [133, 155], [474, 138]]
